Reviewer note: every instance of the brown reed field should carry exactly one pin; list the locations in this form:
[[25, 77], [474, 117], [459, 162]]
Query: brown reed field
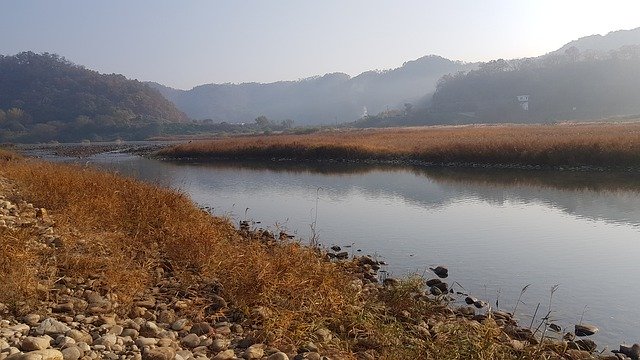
[[568, 144], [121, 230]]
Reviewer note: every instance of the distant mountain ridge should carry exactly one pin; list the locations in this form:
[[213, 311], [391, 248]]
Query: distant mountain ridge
[[611, 41], [45, 97], [332, 98]]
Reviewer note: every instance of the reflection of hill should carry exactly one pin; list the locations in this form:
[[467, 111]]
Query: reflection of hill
[[596, 195]]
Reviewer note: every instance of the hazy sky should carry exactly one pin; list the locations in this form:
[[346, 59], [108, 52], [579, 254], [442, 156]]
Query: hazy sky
[[186, 43]]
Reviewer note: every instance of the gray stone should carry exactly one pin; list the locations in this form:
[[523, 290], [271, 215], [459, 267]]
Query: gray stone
[[179, 324], [585, 330], [190, 341], [220, 345], [51, 326], [631, 351], [107, 340], [201, 328]]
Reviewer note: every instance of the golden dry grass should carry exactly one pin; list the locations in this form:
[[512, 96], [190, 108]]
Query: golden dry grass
[[121, 230], [592, 144]]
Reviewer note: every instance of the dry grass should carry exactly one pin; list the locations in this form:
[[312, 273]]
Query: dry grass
[[121, 230], [546, 145]]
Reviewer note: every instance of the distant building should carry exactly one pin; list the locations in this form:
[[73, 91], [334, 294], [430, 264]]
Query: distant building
[[524, 102]]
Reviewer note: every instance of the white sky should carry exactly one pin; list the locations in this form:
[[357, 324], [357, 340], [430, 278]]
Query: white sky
[[187, 43]]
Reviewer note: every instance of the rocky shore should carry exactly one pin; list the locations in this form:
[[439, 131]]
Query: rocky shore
[[81, 318]]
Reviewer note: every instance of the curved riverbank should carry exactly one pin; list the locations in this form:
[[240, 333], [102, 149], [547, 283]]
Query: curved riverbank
[[571, 146], [283, 295]]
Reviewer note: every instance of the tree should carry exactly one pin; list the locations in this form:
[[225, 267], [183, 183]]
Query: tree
[[287, 123], [262, 121]]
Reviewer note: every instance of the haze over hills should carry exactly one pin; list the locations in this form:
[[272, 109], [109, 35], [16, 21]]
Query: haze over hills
[[45, 97], [328, 99], [336, 98], [575, 82]]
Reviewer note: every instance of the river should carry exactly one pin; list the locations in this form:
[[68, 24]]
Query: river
[[496, 230]]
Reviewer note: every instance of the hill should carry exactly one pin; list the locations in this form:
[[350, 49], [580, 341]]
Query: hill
[[45, 97], [602, 43], [594, 77], [328, 99]]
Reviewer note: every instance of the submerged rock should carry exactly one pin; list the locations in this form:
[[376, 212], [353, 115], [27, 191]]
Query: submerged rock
[[585, 330], [440, 271]]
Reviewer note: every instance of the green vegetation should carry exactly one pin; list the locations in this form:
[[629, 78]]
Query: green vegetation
[[44, 97]]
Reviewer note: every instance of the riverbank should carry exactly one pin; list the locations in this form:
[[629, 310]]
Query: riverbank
[[582, 146], [109, 253]]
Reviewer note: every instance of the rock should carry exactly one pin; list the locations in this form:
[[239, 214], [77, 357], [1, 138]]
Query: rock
[[466, 311], [31, 343], [132, 333], [308, 347], [574, 354], [583, 344], [278, 356], [72, 353], [220, 345], [116, 330], [107, 340], [150, 329], [441, 271], [470, 300], [585, 330], [63, 308], [191, 341], [435, 291], [49, 354], [161, 353], [342, 255], [144, 341], [323, 335], [202, 328], [179, 324], [336, 248], [254, 352], [631, 351], [480, 304], [79, 336], [224, 355], [51, 326], [31, 319]]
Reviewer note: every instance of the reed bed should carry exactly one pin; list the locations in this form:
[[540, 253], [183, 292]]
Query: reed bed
[[591, 144]]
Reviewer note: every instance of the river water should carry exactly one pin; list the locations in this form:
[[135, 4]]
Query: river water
[[496, 230]]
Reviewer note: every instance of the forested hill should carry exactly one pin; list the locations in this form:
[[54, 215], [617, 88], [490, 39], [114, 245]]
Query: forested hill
[[565, 86], [44, 97], [327, 99]]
